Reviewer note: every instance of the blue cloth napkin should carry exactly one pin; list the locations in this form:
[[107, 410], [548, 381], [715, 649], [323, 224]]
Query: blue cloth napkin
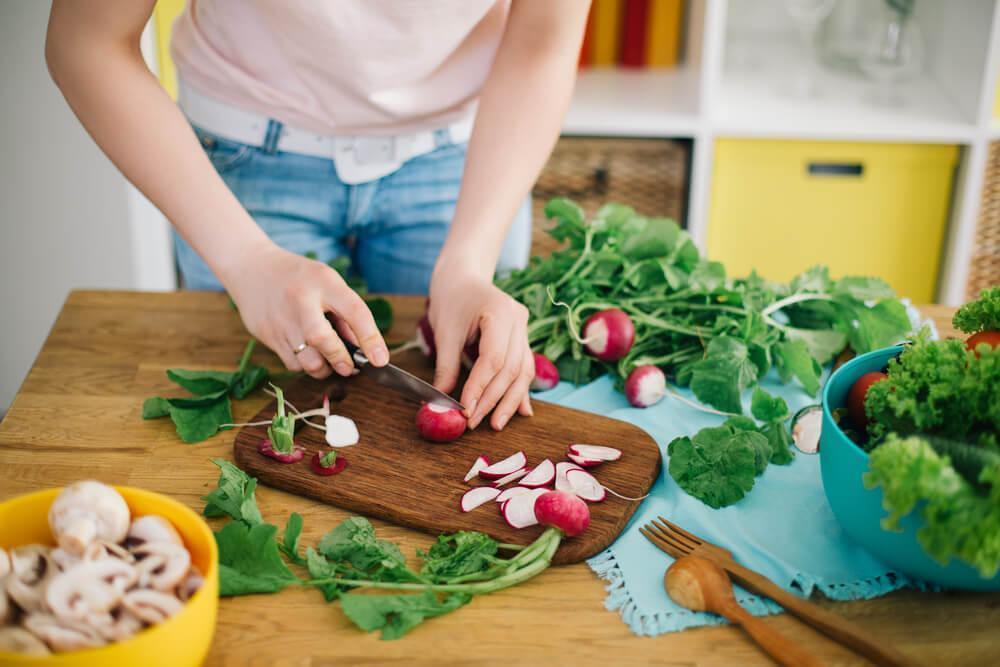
[[783, 528]]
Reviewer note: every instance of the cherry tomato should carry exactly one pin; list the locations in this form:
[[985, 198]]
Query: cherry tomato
[[991, 338], [856, 398]]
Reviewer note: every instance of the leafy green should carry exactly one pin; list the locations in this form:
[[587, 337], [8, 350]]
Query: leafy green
[[233, 496], [281, 430], [983, 314], [395, 615], [717, 465], [768, 408], [290, 539], [958, 521], [382, 312], [201, 383], [249, 561], [794, 359], [354, 541], [720, 378], [194, 418], [459, 554]]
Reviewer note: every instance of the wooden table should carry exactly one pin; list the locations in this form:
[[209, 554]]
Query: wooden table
[[78, 415]]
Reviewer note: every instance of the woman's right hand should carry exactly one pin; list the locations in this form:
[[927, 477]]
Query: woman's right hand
[[283, 299]]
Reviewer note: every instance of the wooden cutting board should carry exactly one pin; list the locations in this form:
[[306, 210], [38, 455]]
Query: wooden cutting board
[[393, 474]]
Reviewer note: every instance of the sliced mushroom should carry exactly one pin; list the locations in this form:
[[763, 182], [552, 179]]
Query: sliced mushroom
[[62, 634], [151, 528], [190, 584], [19, 640], [6, 607], [63, 559], [117, 625], [87, 511], [151, 606], [31, 570], [89, 587], [4, 563], [162, 565]]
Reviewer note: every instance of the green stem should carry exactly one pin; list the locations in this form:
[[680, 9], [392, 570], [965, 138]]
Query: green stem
[[587, 238], [510, 547], [247, 351], [795, 298]]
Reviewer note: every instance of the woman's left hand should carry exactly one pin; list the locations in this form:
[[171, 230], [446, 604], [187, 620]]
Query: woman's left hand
[[465, 306]]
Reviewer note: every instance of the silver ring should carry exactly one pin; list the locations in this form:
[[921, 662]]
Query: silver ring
[[299, 348]]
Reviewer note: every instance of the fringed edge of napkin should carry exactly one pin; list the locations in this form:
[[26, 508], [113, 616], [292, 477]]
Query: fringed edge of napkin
[[619, 599]]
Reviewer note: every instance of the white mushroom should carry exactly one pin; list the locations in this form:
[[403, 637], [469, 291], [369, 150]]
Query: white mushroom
[[31, 570], [4, 563], [63, 559], [6, 608], [161, 565], [18, 640], [87, 511], [115, 626], [62, 634], [190, 584], [151, 528], [151, 606], [89, 587]]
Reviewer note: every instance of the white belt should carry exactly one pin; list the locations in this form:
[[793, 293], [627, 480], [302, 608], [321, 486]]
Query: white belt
[[358, 159]]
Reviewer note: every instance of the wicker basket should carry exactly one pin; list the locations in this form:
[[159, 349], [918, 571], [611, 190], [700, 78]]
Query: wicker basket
[[648, 174], [984, 269]]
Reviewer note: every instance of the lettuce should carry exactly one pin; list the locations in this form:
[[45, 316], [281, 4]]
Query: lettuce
[[959, 521]]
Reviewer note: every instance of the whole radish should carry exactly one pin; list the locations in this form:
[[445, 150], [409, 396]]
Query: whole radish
[[608, 334], [546, 373], [645, 386], [563, 511], [439, 423]]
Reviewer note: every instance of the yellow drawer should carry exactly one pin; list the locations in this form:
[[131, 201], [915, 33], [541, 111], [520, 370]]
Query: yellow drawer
[[862, 209]]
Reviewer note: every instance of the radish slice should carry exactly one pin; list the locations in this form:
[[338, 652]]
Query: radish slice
[[481, 462], [584, 462], [341, 431], [473, 498], [585, 485], [503, 468], [541, 475], [507, 494], [507, 479], [561, 469], [519, 511], [267, 449], [599, 452]]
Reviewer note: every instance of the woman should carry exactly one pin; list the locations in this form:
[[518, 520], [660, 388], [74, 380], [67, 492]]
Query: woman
[[339, 126]]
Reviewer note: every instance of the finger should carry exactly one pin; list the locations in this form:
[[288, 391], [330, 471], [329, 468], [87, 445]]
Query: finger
[[448, 361], [502, 380], [280, 347], [314, 364], [516, 393], [494, 340], [352, 309], [526, 409], [321, 339]]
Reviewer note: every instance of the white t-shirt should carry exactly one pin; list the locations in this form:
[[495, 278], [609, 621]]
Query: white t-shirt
[[342, 66]]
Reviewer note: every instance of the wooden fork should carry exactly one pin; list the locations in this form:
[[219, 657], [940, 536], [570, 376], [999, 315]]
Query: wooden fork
[[678, 542]]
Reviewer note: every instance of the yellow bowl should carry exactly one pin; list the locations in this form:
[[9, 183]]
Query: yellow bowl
[[183, 639]]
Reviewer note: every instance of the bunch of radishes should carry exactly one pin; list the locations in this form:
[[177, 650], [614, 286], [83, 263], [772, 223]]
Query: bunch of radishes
[[519, 504]]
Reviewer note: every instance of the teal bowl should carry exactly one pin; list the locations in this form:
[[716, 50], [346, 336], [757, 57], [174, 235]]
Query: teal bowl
[[859, 510]]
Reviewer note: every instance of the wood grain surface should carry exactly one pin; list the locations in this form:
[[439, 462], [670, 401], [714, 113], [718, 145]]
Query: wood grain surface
[[77, 415], [394, 474]]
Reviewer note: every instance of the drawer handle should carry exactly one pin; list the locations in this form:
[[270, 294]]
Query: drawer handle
[[841, 169]]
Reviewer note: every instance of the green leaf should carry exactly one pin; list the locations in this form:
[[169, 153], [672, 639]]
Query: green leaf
[[458, 554], [864, 288], [195, 419], [575, 371], [708, 276], [395, 615], [793, 359], [233, 495], [382, 312], [154, 408], [248, 380], [320, 568], [201, 383], [815, 279], [757, 443], [720, 378], [718, 470], [354, 541], [768, 408], [823, 344], [290, 538], [983, 314], [653, 237], [740, 423], [780, 441], [249, 561], [867, 329]]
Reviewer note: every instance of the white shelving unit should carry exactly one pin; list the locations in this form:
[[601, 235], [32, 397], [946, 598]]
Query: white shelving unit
[[740, 55]]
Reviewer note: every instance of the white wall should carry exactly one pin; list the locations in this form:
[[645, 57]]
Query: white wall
[[63, 206]]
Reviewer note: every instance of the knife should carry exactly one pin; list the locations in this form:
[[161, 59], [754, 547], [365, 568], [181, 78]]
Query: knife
[[405, 383]]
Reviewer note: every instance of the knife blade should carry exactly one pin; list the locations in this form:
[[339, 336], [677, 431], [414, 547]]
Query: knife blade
[[396, 378]]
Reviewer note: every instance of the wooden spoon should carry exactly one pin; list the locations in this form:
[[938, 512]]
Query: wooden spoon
[[701, 585]]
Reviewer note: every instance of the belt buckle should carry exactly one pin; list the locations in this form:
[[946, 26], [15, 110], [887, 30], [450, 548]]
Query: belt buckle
[[374, 150]]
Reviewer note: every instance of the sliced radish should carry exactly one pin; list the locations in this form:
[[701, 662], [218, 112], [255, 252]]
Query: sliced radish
[[546, 373], [507, 494], [473, 498], [519, 511], [507, 479], [584, 462], [323, 466], [266, 448], [541, 475], [481, 462], [341, 431], [599, 452], [561, 469], [585, 485], [512, 463]]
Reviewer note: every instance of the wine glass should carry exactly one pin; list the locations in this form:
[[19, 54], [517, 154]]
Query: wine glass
[[893, 52]]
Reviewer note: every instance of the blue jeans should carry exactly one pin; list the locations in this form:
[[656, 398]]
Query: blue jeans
[[392, 228]]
